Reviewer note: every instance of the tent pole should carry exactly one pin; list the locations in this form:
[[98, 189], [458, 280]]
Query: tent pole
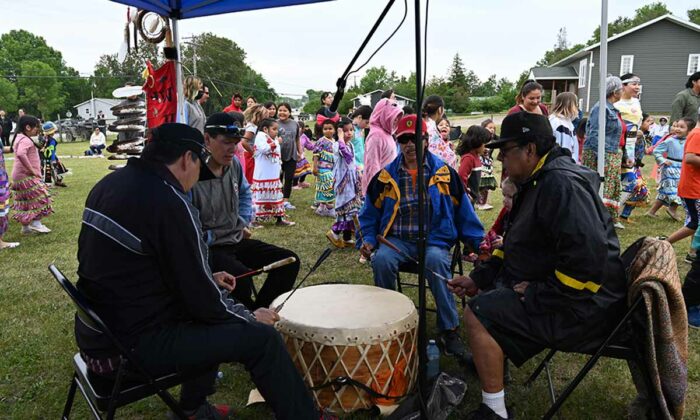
[[178, 72], [422, 330], [603, 72]]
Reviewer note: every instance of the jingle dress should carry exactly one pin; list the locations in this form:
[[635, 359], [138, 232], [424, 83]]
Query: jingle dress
[[324, 152], [267, 187], [348, 190], [303, 166], [671, 172], [30, 195]]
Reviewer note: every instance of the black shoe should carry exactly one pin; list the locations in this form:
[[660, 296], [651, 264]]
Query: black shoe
[[452, 344], [485, 413]]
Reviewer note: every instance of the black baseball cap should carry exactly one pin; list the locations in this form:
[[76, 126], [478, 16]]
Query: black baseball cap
[[223, 123], [524, 127], [179, 135]]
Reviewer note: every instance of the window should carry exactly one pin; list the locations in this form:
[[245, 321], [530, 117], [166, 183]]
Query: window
[[582, 72], [626, 64], [693, 63]]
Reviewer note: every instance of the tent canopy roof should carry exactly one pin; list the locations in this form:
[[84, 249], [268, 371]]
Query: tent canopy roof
[[185, 9]]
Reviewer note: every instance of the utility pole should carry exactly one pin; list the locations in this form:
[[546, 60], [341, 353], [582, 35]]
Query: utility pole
[[194, 52]]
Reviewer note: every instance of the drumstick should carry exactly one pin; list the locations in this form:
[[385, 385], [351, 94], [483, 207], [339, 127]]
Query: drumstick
[[356, 222], [386, 242], [320, 260], [269, 267]]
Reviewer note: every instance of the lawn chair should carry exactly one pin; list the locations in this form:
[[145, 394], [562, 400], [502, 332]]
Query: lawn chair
[[622, 343], [412, 268], [131, 382]]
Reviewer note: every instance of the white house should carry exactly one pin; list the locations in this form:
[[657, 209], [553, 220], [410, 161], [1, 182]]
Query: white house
[[371, 99], [92, 107]]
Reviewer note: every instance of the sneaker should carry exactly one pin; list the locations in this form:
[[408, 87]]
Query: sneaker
[[289, 206], [26, 230], [296, 187], [207, 411], [282, 222], [484, 207], [694, 316], [690, 258], [485, 413], [38, 228], [335, 240], [619, 225], [363, 260], [60, 184], [452, 344], [8, 245], [255, 225], [314, 206]]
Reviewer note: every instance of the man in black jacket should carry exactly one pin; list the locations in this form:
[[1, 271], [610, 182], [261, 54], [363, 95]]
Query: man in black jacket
[[559, 282], [143, 266]]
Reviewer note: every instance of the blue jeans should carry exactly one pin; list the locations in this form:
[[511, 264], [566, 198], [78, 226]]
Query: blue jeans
[[385, 264]]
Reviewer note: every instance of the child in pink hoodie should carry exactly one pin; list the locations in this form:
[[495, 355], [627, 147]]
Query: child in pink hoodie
[[380, 146]]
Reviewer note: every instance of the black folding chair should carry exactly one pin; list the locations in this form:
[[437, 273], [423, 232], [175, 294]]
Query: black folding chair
[[131, 381], [410, 267], [623, 343]]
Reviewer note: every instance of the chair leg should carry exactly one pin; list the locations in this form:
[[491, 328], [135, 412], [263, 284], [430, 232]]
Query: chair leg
[[550, 384], [71, 397], [540, 367]]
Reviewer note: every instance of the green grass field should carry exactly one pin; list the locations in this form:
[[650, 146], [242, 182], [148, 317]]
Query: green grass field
[[36, 320]]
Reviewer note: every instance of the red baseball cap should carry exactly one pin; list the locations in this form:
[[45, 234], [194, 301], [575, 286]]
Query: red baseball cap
[[407, 125]]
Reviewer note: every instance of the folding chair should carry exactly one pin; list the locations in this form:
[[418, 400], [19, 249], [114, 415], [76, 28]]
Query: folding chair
[[131, 382], [410, 267], [623, 343]]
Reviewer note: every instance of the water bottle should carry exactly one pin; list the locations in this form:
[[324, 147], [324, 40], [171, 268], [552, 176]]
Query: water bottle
[[433, 368]]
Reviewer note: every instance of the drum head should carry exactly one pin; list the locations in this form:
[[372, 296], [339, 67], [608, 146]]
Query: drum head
[[346, 313]]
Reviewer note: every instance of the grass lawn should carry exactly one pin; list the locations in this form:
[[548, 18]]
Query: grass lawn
[[36, 321]]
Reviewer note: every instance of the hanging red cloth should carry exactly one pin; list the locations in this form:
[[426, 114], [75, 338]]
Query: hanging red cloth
[[161, 94]]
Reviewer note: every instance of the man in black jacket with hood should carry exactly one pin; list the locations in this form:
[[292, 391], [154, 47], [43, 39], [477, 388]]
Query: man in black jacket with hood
[[559, 281]]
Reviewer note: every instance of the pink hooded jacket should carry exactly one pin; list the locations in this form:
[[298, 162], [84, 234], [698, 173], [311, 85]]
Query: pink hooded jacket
[[380, 146]]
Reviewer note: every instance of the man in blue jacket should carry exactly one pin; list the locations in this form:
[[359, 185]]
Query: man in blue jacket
[[391, 210]]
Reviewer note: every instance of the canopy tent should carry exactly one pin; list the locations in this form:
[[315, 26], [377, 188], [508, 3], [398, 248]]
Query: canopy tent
[[184, 9]]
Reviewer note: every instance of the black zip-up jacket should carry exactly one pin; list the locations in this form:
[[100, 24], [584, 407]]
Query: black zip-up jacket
[[561, 239], [142, 260]]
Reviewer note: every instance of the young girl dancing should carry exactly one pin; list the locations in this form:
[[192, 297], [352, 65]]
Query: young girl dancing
[[324, 161], [303, 166], [348, 193], [31, 197], [267, 187]]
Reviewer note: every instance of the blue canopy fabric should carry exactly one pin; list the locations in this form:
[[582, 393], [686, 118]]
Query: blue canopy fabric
[[185, 9]]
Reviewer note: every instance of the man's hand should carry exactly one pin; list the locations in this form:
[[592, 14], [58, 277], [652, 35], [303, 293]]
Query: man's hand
[[463, 285], [520, 288], [266, 316], [366, 250], [497, 242], [247, 233], [225, 280]]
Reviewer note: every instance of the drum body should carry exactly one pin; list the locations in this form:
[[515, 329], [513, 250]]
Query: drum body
[[365, 333]]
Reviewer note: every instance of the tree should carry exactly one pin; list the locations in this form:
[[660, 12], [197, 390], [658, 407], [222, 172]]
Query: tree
[[694, 16], [110, 74], [8, 95], [377, 78], [642, 15], [314, 101], [41, 89], [457, 74], [487, 88], [221, 65], [562, 41], [19, 46]]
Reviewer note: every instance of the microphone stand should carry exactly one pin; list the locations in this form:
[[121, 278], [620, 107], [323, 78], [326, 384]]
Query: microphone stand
[[342, 80]]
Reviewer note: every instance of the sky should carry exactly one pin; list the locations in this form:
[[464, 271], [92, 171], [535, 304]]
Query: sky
[[309, 46]]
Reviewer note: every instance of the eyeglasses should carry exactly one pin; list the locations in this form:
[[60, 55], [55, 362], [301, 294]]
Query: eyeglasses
[[505, 150], [404, 139], [229, 130], [202, 152]]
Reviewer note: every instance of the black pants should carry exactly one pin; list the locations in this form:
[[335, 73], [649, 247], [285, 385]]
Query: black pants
[[5, 139], [200, 347], [251, 254], [691, 285], [288, 168]]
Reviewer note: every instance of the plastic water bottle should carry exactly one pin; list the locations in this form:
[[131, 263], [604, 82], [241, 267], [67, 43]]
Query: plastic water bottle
[[433, 368]]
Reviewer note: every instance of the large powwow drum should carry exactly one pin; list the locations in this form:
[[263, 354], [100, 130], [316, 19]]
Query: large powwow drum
[[364, 333]]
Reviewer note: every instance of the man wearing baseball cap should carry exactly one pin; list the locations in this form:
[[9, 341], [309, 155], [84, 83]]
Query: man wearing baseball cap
[[223, 199], [561, 282], [391, 210], [143, 266]]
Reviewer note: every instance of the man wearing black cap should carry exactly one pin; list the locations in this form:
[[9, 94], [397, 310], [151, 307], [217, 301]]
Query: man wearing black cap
[[217, 196], [560, 281], [143, 266]]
